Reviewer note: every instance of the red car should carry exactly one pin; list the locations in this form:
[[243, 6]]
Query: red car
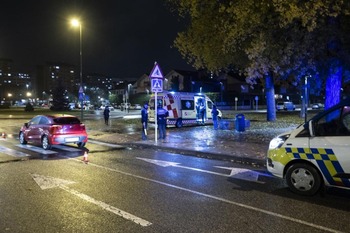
[[49, 130]]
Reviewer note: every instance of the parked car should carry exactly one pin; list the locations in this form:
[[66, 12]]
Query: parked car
[[318, 106], [103, 108], [287, 106], [49, 130], [279, 106], [72, 106], [137, 106]]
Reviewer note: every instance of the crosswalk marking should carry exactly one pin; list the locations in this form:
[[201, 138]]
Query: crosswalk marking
[[36, 149], [11, 152], [106, 144], [67, 148]]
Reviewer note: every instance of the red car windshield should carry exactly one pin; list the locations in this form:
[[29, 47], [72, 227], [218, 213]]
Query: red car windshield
[[66, 121]]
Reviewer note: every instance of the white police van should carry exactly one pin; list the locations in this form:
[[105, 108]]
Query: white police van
[[316, 153], [183, 107]]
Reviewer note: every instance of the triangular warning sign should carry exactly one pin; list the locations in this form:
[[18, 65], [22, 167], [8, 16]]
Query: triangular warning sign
[[156, 72], [81, 90]]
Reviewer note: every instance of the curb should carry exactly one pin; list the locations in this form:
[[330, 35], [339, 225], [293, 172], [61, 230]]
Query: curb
[[208, 155]]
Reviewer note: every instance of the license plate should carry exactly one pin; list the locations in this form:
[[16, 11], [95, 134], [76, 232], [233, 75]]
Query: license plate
[[75, 139]]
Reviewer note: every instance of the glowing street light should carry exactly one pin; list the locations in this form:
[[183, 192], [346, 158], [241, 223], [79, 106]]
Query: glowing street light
[[77, 23]]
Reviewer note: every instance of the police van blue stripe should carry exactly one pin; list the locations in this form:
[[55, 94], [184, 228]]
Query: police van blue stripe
[[325, 172], [326, 161], [325, 157]]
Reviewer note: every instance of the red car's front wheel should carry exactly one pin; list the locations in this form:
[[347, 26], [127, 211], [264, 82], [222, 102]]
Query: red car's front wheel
[[22, 140]]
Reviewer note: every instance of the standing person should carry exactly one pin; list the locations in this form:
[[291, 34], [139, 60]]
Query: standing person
[[215, 113], [144, 120], [202, 112], [162, 114], [106, 114], [197, 111]]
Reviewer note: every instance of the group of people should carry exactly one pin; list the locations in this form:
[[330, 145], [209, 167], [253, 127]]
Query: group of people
[[162, 115]]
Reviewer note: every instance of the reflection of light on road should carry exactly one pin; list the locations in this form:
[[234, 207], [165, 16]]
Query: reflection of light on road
[[132, 116], [200, 135]]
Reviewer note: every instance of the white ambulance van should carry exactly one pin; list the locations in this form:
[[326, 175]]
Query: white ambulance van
[[183, 107], [316, 153]]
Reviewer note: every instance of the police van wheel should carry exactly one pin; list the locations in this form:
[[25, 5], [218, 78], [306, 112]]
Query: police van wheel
[[303, 179], [178, 123]]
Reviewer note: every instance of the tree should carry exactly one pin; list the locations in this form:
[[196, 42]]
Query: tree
[[272, 40], [59, 100]]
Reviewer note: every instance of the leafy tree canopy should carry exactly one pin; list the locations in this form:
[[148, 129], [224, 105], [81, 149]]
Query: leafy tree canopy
[[285, 38]]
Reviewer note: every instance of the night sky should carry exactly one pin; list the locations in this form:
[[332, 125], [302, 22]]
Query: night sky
[[121, 39]]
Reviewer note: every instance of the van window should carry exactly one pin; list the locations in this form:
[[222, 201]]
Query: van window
[[335, 123], [151, 103], [187, 104]]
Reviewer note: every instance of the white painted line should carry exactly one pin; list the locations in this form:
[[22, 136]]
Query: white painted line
[[67, 148], [36, 149], [163, 163], [11, 152], [106, 144], [46, 182], [295, 220]]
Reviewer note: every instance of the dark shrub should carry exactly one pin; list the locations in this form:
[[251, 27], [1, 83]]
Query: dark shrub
[[29, 108]]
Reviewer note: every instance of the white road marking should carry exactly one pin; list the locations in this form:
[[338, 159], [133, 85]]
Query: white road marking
[[36, 149], [12, 152], [237, 173], [106, 144], [245, 174], [67, 148], [218, 199], [46, 182], [163, 163]]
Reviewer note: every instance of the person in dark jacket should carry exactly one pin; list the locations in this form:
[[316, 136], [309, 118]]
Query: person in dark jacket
[[162, 114], [215, 113], [144, 120], [106, 114]]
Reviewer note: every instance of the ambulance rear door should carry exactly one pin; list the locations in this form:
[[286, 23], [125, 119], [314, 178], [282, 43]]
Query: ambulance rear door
[[209, 108], [188, 108], [200, 103]]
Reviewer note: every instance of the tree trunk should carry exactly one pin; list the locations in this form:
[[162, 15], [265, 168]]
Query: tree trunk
[[270, 98], [333, 84]]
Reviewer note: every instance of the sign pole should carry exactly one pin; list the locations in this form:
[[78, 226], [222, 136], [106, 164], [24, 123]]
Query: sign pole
[[155, 116], [157, 86]]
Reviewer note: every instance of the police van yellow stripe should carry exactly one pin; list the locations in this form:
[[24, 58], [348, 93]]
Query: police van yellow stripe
[[326, 161]]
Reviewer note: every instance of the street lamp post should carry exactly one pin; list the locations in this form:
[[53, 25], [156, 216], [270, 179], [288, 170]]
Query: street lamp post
[[77, 23]]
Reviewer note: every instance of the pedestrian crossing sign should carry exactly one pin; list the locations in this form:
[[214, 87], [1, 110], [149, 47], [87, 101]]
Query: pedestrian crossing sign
[[156, 72], [157, 85]]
